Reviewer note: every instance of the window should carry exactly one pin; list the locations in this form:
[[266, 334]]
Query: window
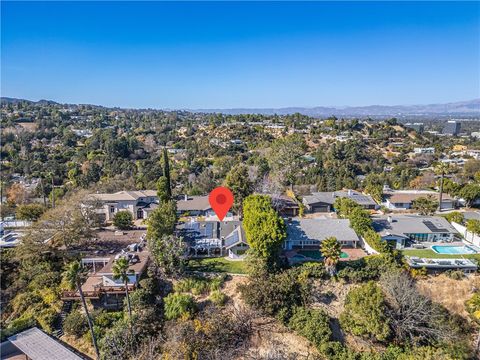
[[112, 208]]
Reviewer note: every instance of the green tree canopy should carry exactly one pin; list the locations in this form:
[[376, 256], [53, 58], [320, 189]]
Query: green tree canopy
[[265, 230], [285, 158], [425, 205], [473, 226], [123, 220], [29, 212], [470, 193], [239, 183], [331, 250], [162, 220], [168, 253], [364, 313]]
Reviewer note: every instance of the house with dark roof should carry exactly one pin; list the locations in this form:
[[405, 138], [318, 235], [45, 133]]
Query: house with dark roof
[[214, 238], [406, 230], [309, 233], [285, 205], [323, 201]]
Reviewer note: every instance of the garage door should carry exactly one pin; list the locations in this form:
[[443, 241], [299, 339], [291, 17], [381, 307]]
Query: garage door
[[321, 208]]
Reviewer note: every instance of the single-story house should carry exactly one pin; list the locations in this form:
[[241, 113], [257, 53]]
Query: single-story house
[[214, 238], [309, 233], [323, 201], [403, 199], [408, 229], [34, 344], [139, 203]]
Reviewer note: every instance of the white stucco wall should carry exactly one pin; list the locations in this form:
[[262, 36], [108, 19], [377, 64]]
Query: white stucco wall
[[470, 237]]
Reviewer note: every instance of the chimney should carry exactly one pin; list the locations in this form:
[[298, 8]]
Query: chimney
[[350, 193], [186, 197], [390, 219]]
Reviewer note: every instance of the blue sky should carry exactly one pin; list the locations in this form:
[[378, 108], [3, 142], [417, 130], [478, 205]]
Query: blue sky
[[222, 55]]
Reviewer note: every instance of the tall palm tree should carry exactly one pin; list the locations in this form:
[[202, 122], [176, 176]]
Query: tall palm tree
[[120, 271], [331, 250], [441, 169], [73, 276]]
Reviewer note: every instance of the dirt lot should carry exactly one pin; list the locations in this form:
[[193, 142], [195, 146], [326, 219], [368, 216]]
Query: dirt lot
[[450, 293]]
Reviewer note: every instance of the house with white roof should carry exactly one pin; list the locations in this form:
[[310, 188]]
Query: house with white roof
[[403, 199], [139, 203]]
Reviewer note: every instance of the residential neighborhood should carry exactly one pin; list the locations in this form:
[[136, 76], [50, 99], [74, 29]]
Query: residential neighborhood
[[240, 180]]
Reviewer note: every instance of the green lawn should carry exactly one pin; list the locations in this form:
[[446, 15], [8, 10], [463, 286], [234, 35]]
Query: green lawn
[[220, 265], [428, 253]]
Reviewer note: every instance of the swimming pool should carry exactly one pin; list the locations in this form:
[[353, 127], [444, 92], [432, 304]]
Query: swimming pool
[[453, 250]]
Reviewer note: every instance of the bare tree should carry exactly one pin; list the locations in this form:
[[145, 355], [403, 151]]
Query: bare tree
[[272, 187], [414, 317]]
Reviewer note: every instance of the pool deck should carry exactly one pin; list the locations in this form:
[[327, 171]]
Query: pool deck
[[353, 254]]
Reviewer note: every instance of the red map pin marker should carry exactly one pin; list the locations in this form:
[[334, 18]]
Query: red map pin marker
[[221, 200]]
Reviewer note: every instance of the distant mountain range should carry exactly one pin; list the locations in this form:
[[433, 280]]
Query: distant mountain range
[[462, 108], [471, 108]]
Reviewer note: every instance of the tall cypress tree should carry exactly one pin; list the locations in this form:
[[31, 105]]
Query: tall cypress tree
[[166, 172]]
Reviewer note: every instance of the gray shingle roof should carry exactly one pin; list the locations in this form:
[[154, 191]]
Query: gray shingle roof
[[39, 346], [193, 203], [320, 229], [329, 197], [411, 224]]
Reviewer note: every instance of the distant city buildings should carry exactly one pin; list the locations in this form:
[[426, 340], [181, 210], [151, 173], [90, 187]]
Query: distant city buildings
[[452, 128], [418, 127]]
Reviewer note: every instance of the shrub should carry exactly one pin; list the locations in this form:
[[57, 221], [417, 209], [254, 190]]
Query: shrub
[[419, 273], [218, 298], [178, 305], [199, 285], [455, 216], [29, 212], [19, 324], [455, 274], [194, 285], [75, 324], [473, 306], [123, 220], [375, 241], [313, 270], [216, 283], [364, 313], [368, 268], [311, 324], [104, 319], [273, 292], [46, 318]]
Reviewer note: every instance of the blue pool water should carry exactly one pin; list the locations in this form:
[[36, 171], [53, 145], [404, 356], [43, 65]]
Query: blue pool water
[[449, 249]]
